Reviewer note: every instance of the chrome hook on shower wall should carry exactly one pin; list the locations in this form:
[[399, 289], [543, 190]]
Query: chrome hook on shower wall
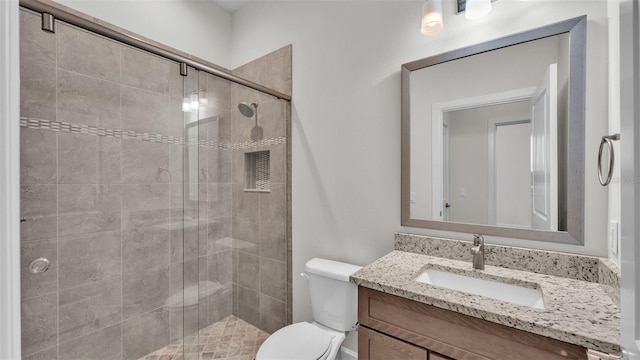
[[608, 140]]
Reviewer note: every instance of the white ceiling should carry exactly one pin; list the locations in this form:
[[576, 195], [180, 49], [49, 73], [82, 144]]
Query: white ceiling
[[231, 5]]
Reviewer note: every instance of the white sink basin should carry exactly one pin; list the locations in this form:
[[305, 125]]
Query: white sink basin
[[492, 289]]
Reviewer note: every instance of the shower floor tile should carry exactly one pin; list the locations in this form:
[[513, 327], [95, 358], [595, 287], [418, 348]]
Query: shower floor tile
[[229, 338]]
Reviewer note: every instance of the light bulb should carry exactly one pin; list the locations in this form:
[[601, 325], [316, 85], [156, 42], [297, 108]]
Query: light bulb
[[475, 9], [431, 17]]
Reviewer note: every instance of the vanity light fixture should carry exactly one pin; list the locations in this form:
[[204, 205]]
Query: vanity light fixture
[[475, 9], [431, 17]]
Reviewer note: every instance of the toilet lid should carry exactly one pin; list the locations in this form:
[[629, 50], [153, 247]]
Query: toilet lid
[[299, 341]]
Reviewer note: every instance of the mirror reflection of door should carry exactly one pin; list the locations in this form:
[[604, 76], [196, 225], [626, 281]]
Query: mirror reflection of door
[[510, 172], [469, 166], [544, 143], [445, 171]]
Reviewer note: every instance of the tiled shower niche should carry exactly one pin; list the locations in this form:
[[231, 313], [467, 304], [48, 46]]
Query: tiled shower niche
[[257, 171], [135, 200]]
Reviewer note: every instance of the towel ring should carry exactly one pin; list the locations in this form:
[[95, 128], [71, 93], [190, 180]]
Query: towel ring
[[608, 140]]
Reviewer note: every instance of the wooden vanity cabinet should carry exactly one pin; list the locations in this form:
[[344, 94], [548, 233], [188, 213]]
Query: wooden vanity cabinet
[[392, 327]]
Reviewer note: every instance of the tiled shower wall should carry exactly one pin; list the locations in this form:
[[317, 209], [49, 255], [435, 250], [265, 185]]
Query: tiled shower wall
[[129, 215], [260, 218], [274, 71]]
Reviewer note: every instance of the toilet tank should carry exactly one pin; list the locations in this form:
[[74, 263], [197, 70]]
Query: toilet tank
[[334, 299]]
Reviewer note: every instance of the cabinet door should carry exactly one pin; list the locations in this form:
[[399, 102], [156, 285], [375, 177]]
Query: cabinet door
[[373, 345]]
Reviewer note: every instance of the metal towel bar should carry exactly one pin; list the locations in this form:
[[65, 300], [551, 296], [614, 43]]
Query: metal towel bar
[[608, 140]]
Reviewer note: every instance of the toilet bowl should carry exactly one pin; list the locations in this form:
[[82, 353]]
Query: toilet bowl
[[334, 304], [301, 341]]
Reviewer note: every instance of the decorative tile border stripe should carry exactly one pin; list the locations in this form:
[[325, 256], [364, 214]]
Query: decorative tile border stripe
[[59, 126]]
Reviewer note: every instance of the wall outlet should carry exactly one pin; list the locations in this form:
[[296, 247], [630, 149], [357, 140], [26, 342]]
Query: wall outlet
[[614, 236]]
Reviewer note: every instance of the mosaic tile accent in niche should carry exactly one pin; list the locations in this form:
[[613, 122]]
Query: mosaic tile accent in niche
[[65, 127], [229, 338], [257, 168]]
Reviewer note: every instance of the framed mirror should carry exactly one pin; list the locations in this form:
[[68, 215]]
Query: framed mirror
[[493, 137]]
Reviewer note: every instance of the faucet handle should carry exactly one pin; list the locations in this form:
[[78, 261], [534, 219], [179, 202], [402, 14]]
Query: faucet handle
[[478, 240]]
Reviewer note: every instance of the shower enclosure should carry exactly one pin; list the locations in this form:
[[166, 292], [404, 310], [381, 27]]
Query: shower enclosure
[[153, 222]]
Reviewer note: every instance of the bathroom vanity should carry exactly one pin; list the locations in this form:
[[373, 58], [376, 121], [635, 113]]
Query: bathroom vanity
[[403, 316], [429, 330]]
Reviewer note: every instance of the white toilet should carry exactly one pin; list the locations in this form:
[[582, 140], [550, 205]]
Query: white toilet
[[334, 303]]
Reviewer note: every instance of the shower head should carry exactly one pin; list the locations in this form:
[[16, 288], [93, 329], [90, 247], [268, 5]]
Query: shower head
[[247, 109]]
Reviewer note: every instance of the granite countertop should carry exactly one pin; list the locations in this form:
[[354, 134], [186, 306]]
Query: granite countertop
[[576, 311]]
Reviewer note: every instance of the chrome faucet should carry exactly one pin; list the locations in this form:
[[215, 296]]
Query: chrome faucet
[[478, 252]]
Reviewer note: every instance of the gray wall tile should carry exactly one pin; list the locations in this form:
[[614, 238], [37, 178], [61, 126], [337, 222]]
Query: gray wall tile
[[272, 70], [248, 271], [220, 200], [273, 240], [146, 333], [184, 322], [183, 275], [176, 115], [221, 267], [77, 159], [145, 162], [273, 278], [88, 308], [246, 230], [84, 259], [278, 159], [176, 165], [238, 168], [273, 205], [145, 205], [271, 118], [144, 291], [146, 71], [217, 230], [87, 100], [176, 85], [85, 53], [221, 166], [219, 306], [245, 203], [109, 160], [37, 90], [105, 344], [184, 242], [85, 209], [36, 45], [38, 284], [39, 323], [145, 248], [234, 298], [145, 111], [273, 314], [49, 354], [38, 150], [249, 306], [218, 92], [38, 205]]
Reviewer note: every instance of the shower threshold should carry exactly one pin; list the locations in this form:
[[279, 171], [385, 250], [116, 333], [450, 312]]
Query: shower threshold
[[230, 338]]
